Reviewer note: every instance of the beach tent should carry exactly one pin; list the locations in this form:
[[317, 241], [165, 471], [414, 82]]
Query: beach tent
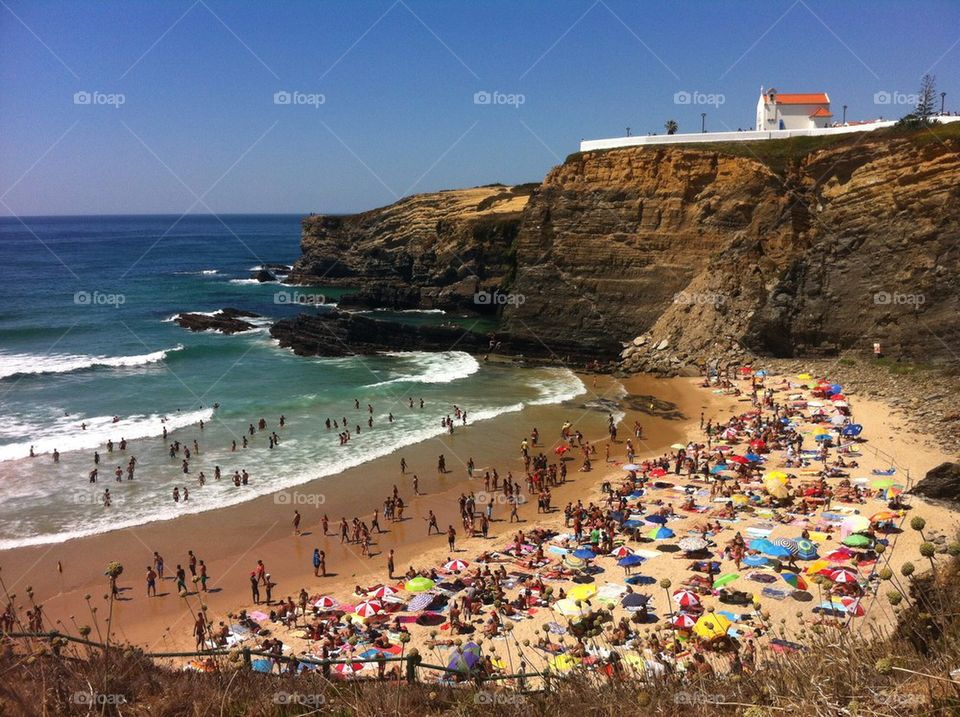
[[712, 625]]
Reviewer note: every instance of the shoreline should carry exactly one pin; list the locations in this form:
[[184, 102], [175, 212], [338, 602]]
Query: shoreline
[[230, 540]]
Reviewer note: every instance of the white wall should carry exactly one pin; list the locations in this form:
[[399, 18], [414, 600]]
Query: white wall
[[592, 144]]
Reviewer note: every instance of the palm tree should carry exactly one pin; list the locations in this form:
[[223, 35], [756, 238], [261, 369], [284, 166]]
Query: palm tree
[[671, 126]]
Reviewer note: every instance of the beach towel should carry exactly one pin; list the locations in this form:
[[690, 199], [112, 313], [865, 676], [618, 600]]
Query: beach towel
[[758, 532], [888, 472], [774, 593]]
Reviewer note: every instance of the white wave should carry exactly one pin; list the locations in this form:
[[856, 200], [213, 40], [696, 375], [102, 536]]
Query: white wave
[[412, 311], [561, 385], [27, 364], [202, 272], [247, 282], [442, 367], [65, 434]]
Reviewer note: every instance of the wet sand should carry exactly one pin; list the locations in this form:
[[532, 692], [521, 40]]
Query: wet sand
[[231, 540]]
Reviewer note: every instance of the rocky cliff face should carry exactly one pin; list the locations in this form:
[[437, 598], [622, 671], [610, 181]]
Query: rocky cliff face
[[801, 247]]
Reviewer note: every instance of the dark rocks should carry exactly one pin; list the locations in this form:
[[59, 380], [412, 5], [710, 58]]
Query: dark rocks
[[941, 483], [226, 321]]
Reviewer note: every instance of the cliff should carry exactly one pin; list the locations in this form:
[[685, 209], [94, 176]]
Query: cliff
[[808, 246]]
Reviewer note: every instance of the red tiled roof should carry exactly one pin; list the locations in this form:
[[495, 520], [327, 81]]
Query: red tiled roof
[[822, 112], [808, 98]]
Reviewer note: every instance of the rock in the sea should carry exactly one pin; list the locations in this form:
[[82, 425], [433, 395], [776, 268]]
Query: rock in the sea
[[226, 321], [941, 483]]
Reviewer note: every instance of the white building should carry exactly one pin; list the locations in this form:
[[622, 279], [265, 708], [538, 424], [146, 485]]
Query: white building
[[776, 111]]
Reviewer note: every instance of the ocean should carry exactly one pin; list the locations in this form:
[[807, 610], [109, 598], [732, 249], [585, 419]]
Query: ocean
[[87, 338]]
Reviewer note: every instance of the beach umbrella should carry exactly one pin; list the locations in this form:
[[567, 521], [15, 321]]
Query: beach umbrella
[[584, 554], [567, 607], [884, 516], [854, 524], [582, 592], [631, 467], [656, 518], [790, 545], [753, 457], [852, 606], [660, 533], [678, 447], [631, 524], [348, 668], [836, 388], [691, 544], [573, 562], [857, 541], [794, 580], [882, 483], [456, 565], [806, 550], [817, 567], [683, 621], [724, 580], [262, 665], [764, 546], [754, 561], [686, 598], [630, 561], [561, 449], [419, 584], [758, 444], [719, 468], [737, 459], [842, 576], [657, 473], [384, 591], [634, 601], [776, 489], [621, 552], [368, 608], [326, 603], [777, 476], [840, 555], [739, 499], [712, 625], [464, 659], [823, 438], [804, 376]]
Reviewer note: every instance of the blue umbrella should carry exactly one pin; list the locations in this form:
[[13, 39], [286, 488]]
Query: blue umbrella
[[753, 457], [754, 561], [584, 554], [836, 388], [823, 437], [854, 429], [633, 524], [762, 372], [660, 533], [658, 519], [629, 561], [262, 665], [719, 468]]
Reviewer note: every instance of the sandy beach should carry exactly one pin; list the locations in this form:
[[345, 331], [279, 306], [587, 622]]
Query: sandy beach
[[231, 540]]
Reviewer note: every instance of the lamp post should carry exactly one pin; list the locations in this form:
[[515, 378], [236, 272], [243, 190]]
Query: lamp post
[[943, 97], [844, 114], [703, 122]]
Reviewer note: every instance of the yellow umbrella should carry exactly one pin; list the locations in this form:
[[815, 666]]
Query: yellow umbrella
[[776, 489], [804, 376], [816, 566], [777, 475], [712, 625], [564, 662], [582, 592], [739, 499]]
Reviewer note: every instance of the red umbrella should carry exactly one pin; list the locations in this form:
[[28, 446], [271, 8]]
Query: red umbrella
[[561, 449], [686, 598], [384, 591], [683, 621], [841, 555], [621, 552], [326, 603], [838, 397], [737, 459], [348, 668], [842, 575], [757, 443], [456, 566], [368, 608], [853, 606], [657, 473]]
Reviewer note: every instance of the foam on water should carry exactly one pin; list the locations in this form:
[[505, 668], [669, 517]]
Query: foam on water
[[442, 367], [29, 364], [65, 434]]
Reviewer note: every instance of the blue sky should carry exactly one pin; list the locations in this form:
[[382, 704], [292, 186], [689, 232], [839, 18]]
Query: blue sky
[[386, 104]]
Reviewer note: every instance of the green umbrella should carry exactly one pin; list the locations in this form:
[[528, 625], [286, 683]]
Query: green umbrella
[[725, 580], [857, 541], [419, 584], [882, 483]]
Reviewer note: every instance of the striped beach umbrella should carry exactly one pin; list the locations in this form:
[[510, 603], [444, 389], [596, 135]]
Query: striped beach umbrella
[[795, 581], [456, 565], [348, 668], [842, 576], [368, 608], [686, 598], [621, 552], [683, 621], [853, 606], [660, 533], [325, 603], [787, 544], [384, 591]]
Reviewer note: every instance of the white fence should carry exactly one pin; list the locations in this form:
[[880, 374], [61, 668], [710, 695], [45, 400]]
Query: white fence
[[752, 136]]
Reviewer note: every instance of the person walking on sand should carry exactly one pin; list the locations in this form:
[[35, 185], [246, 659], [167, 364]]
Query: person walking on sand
[[269, 585], [151, 582], [202, 569], [325, 524], [416, 485], [390, 565], [158, 564], [452, 538], [296, 522], [261, 572], [432, 523], [192, 563], [403, 466], [514, 515], [181, 580], [316, 562], [255, 588]]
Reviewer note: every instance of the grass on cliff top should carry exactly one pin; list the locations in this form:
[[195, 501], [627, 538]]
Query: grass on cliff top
[[781, 153]]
